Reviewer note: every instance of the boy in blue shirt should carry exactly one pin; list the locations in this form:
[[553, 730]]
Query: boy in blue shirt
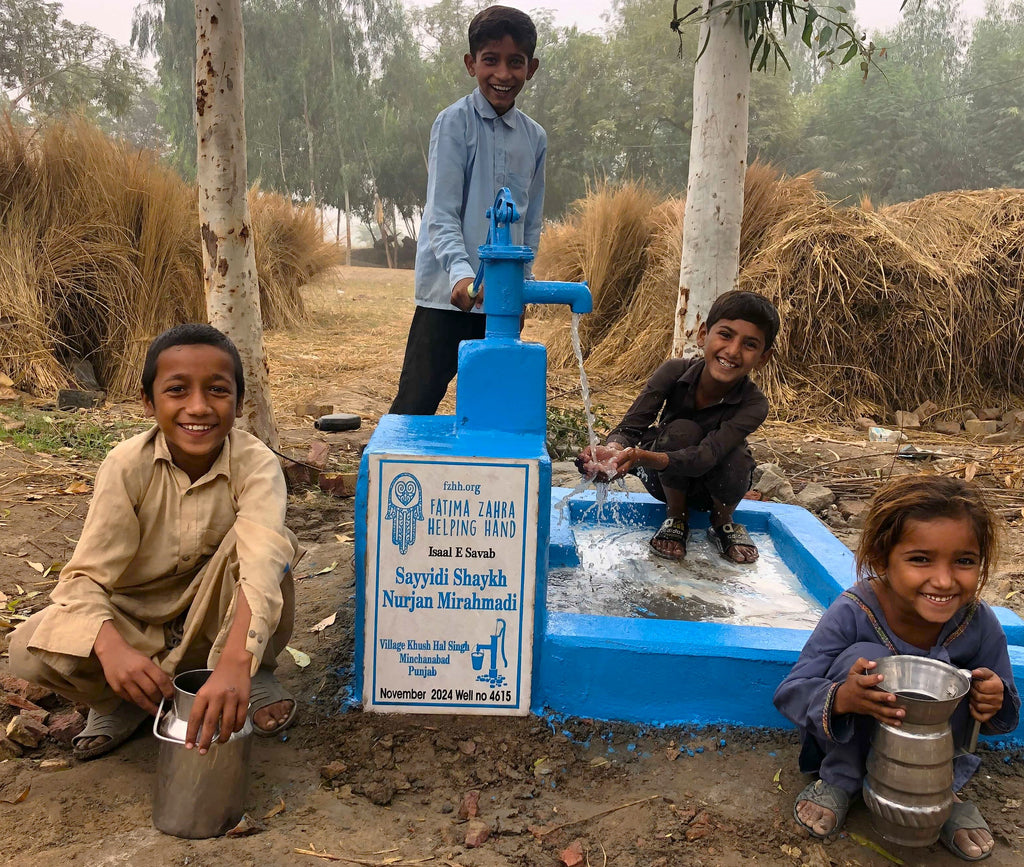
[[477, 146]]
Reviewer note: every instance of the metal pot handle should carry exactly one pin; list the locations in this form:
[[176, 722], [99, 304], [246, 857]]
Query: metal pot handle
[[156, 725], [972, 738]]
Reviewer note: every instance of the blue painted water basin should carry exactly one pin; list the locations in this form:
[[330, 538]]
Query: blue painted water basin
[[648, 669]]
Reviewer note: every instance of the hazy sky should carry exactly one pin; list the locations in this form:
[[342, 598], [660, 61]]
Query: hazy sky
[[115, 16]]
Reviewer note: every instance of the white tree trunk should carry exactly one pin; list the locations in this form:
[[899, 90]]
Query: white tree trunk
[[709, 264], [229, 260]]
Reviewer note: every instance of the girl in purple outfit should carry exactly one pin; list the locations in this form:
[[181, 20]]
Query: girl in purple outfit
[[924, 555]]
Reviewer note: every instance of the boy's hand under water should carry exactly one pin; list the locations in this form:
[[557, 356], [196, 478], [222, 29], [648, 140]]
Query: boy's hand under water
[[857, 694], [986, 694], [601, 464]]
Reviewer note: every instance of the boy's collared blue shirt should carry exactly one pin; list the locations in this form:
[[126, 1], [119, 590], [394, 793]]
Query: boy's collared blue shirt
[[474, 152]]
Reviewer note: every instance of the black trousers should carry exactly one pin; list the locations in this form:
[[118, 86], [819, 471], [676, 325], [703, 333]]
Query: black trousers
[[432, 357], [726, 483]]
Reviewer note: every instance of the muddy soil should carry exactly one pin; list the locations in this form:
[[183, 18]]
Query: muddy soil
[[353, 788]]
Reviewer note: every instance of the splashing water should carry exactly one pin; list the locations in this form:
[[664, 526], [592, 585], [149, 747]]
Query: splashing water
[[601, 488], [618, 576]]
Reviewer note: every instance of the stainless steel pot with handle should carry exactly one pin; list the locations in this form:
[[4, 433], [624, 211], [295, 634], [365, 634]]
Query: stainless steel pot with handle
[[197, 796], [909, 784]]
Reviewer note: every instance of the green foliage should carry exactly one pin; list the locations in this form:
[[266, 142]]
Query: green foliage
[[50, 66], [825, 30], [330, 109], [936, 118], [567, 431], [995, 97], [345, 104], [80, 434]]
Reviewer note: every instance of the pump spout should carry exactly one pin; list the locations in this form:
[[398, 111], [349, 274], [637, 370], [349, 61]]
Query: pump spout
[[576, 295]]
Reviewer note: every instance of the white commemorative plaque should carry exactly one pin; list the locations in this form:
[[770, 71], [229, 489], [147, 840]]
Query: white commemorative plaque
[[451, 553]]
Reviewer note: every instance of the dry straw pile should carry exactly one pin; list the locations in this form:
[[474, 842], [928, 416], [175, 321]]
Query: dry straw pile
[[881, 310], [99, 251]]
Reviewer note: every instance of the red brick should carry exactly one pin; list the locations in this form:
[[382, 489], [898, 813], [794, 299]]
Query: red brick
[[66, 726], [572, 855], [33, 693], [477, 832]]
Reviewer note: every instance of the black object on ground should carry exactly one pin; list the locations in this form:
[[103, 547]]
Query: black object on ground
[[338, 421]]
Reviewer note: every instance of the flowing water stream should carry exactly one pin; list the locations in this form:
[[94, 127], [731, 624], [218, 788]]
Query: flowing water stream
[[600, 487]]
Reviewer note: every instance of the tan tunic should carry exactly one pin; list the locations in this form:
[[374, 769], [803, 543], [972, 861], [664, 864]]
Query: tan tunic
[[149, 532]]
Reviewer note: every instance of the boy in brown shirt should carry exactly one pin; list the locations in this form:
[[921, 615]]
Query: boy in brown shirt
[[685, 436], [183, 562]]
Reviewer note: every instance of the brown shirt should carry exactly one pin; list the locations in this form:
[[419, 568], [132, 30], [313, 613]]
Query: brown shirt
[[150, 530], [671, 394]]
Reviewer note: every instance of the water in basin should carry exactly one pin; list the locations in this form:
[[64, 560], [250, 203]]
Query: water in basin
[[619, 576]]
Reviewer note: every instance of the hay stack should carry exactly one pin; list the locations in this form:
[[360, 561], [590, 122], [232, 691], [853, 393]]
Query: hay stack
[[881, 310], [604, 241], [99, 251], [639, 329]]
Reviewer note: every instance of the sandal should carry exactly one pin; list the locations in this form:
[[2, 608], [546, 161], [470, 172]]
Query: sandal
[[823, 795], [671, 530], [117, 727], [265, 690], [729, 536], [964, 817]]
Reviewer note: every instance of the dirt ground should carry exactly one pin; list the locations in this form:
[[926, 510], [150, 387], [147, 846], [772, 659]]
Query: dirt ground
[[353, 788]]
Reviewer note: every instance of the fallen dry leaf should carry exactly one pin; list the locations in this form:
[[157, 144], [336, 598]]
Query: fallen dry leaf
[[323, 624], [78, 487], [246, 827], [18, 799], [277, 808], [323, 571], [874, 847], [301, 659], [37, 566]]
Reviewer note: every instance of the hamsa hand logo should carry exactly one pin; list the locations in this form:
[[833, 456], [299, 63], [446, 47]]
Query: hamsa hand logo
[[405, 510]]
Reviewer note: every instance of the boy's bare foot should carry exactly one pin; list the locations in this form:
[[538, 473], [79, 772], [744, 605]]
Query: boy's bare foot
[[733, 542], [273, 716], [671, 549], [670, 540], [271, 705], [105, 732], [741, 554]]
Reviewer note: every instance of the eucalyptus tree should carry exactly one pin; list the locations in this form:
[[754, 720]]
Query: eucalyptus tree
[[48, 64], [735, 37], [994, 86], [229, 258], [166, 30], [902, 133], [310, 108]]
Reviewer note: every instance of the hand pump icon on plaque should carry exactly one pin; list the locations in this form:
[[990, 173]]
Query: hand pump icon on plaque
[[495, 646]]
